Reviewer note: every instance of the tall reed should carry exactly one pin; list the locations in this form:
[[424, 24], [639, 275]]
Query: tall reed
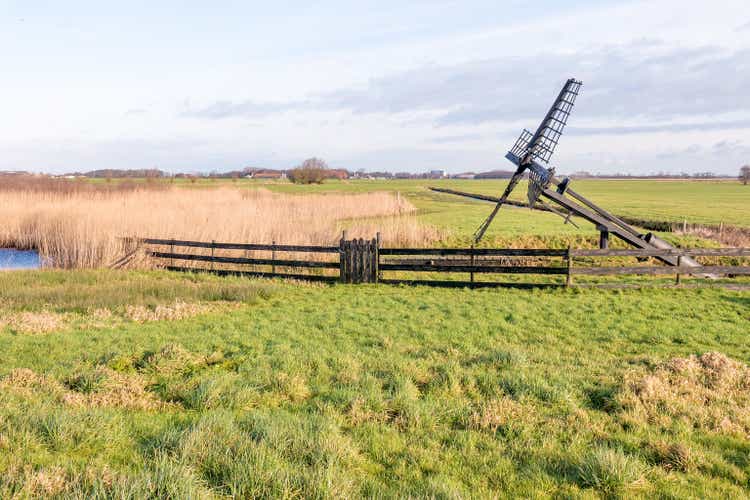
[[82, 228]]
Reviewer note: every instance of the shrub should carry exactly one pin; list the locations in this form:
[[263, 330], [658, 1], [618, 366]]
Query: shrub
[[311, 171]]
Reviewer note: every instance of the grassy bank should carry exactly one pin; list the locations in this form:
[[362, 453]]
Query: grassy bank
[[342, 391]]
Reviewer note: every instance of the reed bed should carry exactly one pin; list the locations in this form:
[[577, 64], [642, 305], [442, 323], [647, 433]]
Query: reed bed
[[84, 227]]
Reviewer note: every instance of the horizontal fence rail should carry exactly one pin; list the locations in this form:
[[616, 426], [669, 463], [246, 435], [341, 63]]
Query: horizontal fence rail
[[242, 246], [363, 261], [497, 252], [462, 268], [659, 270], [667, 252], [244, 260]]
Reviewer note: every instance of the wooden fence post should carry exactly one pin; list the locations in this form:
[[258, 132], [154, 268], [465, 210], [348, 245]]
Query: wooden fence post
[[376, 257], [273, 257], [677, 276], [171, 250], [213, 242], [361, 262], [343, 255], [471, 275], [569, 258]]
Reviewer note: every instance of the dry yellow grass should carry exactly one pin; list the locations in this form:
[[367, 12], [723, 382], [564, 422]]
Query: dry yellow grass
[[178, 310], [83, 229], [499, 413], [113, 389], [709, 392], [33, 322]]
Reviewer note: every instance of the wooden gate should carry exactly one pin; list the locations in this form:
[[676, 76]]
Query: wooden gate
[[359, 260]]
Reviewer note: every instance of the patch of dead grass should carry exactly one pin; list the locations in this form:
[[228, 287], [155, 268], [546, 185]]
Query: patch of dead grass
[[675, 456], [116, 390], [112, 389], [709, 392], [293, 387], [500, 413], [178, 310], [34, 322], [45, 482], [173, 358], [360, 413]]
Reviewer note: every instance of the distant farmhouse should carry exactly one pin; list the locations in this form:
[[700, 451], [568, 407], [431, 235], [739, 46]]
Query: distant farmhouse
[[337, 173], [466, 175], [266, 174]]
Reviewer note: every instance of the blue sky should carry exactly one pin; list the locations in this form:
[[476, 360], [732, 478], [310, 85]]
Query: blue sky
[[198, 86]]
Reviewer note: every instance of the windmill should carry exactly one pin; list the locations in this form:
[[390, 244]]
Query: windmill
[[530, 151]]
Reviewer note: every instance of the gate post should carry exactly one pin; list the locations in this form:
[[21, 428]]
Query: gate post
[[343, 254]]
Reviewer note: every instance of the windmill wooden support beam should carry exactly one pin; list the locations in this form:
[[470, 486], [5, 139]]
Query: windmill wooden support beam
[[603, 237]]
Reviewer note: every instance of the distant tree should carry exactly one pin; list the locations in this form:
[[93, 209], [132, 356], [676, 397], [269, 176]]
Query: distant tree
[[311, 171], [745, 174]]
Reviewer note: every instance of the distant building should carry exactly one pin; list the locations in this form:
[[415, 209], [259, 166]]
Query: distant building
[[267, 174], [14, 172], [467, 175], [437, 174], [495, 174], [337, 174]]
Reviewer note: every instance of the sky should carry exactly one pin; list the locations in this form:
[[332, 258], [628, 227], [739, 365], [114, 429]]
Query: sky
[[195, 86]]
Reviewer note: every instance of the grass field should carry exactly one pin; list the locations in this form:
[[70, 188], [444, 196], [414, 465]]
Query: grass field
[[698, 202], [709, 202], [137, 384], [151, 384]]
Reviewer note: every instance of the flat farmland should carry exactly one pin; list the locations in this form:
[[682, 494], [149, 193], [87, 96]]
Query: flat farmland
[[145, 383], [697, 202]]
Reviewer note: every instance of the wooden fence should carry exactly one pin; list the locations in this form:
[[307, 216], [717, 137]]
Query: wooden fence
[[364, 261], [289, 268]]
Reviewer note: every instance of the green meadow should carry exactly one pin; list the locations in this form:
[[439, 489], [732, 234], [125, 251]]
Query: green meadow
[[271, 389], [697, 202], [153, 384]]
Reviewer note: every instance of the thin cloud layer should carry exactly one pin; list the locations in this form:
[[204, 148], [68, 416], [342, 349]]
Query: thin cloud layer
[[244, 109], [642, 82]]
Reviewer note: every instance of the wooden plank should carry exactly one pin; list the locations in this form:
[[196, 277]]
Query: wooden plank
[[242, 246], [342, 259], [376, 258], [655, 270], [476, 269], [469, 284], [661, 252], [493, 199], [244, 260], [498, 252], [232, 272], [471, 261]]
